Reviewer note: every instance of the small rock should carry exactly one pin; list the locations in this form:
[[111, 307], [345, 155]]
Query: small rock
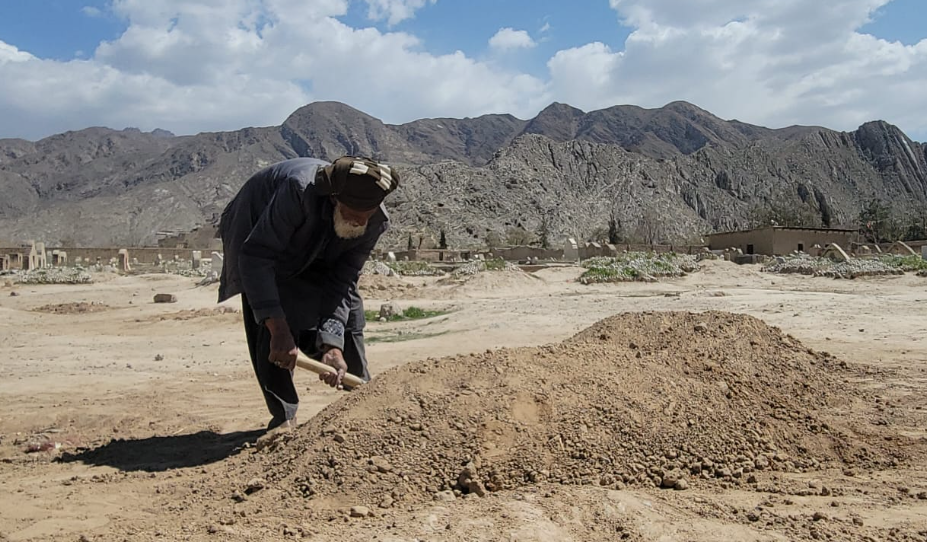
[[922, 495], [237, 496], [445, 496], [814, 484], [339, 438], [14, 294], [669, 480], [476, 488], [329, 429], [416, 427], [360, 511], [386, 502], [819, 516], [681, 485], [256, 484], [753, 516], [390, 310], [701, 328], [159, 357], [752, 479], [761, 462], [83, 538], [381, 464], [858, 522], [212, 529], [165, 298]]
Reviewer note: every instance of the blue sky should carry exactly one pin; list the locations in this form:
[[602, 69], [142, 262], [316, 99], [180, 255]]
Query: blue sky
[[199, 65]]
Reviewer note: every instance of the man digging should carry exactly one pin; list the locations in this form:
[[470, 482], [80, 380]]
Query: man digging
[[296, 237]]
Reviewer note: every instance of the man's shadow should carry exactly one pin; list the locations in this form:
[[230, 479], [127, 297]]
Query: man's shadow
[[159, 454]]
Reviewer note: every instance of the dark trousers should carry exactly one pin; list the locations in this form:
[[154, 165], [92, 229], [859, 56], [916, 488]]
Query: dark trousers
[[277, 383]]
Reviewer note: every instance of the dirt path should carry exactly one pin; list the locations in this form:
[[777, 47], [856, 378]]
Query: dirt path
[[142, 398]]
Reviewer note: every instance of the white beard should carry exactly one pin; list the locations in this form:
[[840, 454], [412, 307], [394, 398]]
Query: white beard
[[345, 229]]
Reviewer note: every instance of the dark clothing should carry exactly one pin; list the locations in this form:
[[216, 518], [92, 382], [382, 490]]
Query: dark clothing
[[281, 250], [282, 255], [277, 383]]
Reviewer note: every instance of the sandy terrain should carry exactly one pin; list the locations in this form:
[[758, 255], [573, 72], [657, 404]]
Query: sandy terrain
[[150, 412]]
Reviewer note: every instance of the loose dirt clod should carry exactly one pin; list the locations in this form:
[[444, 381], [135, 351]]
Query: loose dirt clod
[[584, 412], [73, 308]]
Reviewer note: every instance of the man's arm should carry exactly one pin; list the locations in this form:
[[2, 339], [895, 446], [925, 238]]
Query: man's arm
[[265, 245], [336, 296]]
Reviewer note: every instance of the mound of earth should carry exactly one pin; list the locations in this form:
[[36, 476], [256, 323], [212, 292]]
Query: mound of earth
[[379, 286], [474, 279], [672, 400], [73, 308]]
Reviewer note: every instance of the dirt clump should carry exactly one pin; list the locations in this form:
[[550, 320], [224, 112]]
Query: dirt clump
[[660, 400], [192, 314], [73, 308]]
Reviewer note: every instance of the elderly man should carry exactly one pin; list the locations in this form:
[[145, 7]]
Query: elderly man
[[296, 237]]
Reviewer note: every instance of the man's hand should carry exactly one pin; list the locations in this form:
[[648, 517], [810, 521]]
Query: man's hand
[[334, 358], [282, 346]]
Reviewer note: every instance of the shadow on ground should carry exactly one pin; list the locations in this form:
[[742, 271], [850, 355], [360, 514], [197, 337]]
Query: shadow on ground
[[159, 454]]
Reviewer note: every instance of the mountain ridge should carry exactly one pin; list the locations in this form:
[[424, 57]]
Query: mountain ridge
[[700, 173]]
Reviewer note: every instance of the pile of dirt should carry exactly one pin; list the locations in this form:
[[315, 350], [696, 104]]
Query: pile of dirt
[[475, 279], [73, 308], [670, 400], [384, 286]]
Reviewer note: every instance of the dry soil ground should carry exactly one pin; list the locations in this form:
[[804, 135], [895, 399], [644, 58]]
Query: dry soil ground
[[144, 415]]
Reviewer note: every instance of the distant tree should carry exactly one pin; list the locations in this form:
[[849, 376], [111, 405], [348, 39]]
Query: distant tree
[[543, 235], [443, 242], [913, 224], [598, 235], [493, 240], [614, 231], [650, 229], [516, 237], [879, 223]]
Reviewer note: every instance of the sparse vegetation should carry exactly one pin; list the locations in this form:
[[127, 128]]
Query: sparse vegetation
[[637, 266], [54, 275], [411, 313], [400, 337], [496, 264], [804, 264], [905, 263], [413, 269]]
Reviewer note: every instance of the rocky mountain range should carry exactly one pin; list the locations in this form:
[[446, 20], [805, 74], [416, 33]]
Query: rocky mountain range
[[668, 174]]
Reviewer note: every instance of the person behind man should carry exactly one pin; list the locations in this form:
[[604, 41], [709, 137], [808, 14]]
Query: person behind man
[[296, 237]]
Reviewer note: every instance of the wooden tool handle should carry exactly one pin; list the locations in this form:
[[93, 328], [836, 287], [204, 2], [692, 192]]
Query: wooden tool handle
[[305, 362]]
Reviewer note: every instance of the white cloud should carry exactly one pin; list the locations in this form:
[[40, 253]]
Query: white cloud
[[772, 62], [91, 11], [394, 11], [546, 28], [9, 53], [508, 38], [192, 65]]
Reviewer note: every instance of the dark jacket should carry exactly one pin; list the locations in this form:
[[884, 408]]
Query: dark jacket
[[281, 251]]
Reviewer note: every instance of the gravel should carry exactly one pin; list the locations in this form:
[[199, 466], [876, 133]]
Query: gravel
[[824, 267], [638, 267]]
